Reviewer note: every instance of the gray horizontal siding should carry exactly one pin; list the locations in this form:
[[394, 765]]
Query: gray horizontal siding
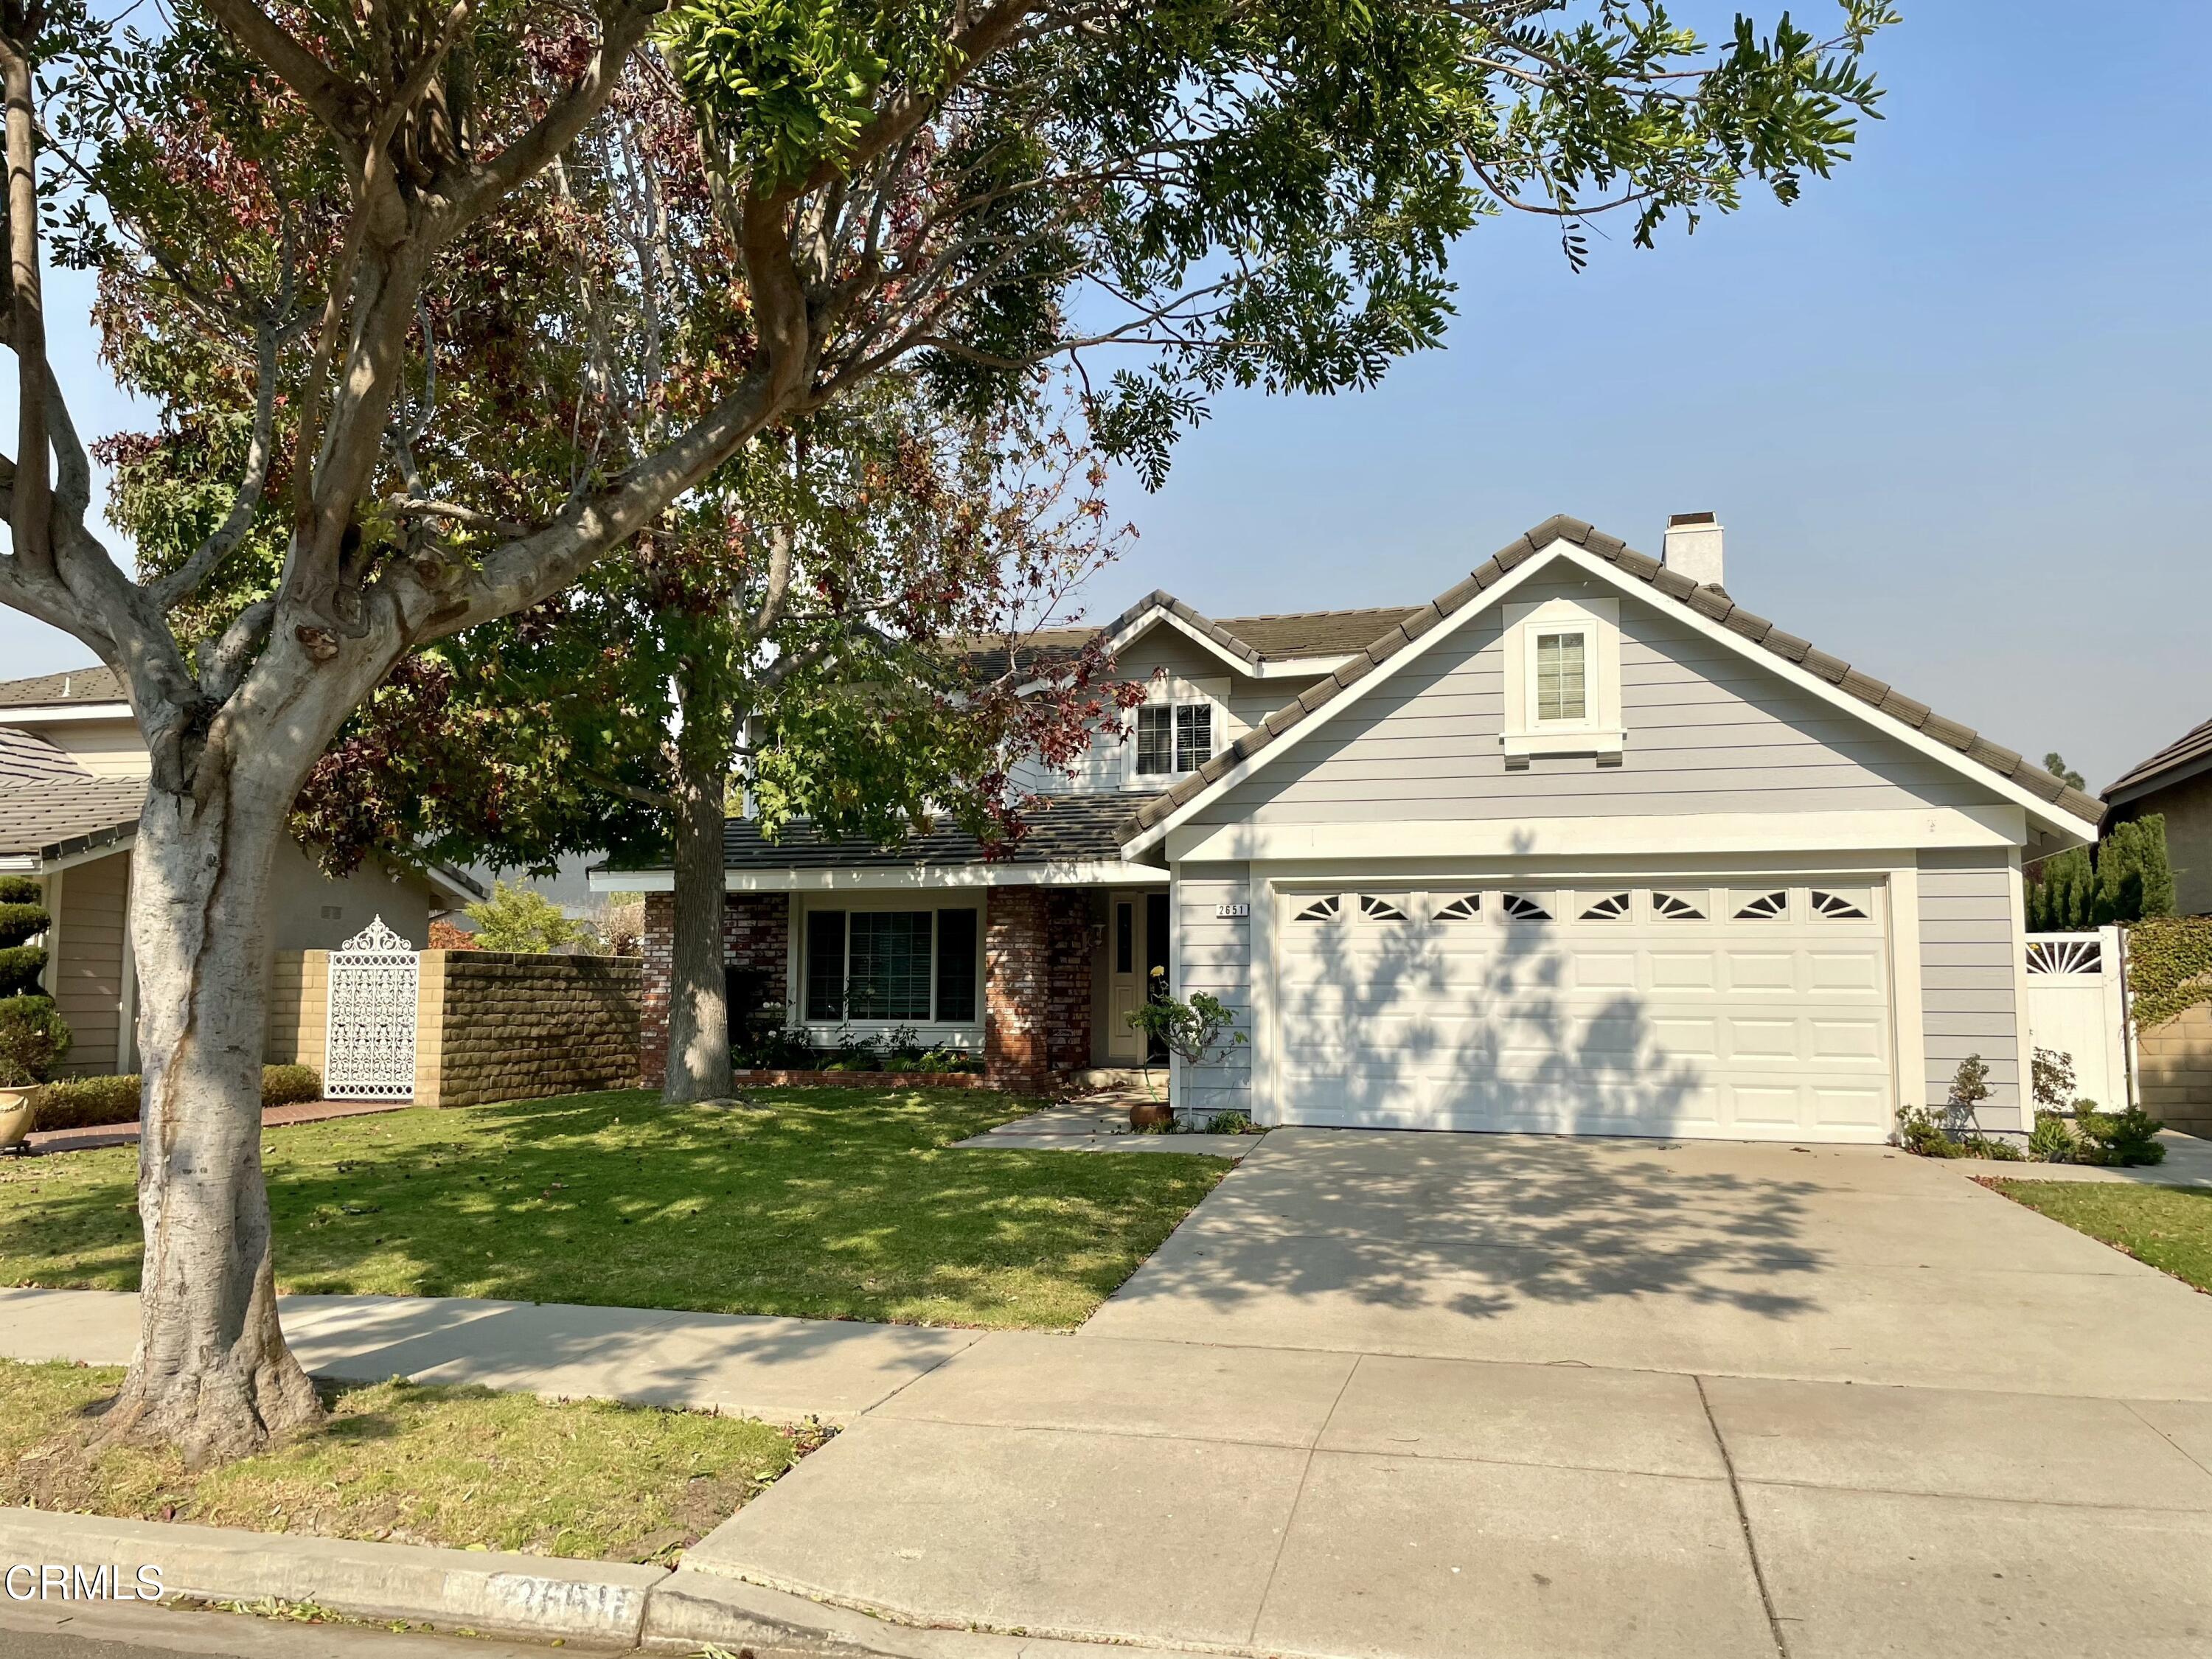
[[1214, 955], [1968, 989], [1707, 731]]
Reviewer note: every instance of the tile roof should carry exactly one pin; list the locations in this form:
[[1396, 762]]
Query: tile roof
[[1712, 603], [76, 685], [27, 757], [2187, 754], [42, 819], [1254, 639], [1069, 829]]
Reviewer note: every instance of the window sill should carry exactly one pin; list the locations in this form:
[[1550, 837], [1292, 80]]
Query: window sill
[[1529, 745]]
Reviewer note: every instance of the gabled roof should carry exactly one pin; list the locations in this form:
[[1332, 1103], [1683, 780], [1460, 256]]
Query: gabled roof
[[2186, 755], [1251, 641], [1710, 602], [76, 685]]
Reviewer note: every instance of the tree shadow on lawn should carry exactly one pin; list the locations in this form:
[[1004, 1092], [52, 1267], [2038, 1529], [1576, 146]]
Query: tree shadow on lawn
[[828, 1204]]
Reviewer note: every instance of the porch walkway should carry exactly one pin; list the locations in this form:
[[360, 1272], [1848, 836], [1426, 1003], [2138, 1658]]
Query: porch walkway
[[1100, 1123]]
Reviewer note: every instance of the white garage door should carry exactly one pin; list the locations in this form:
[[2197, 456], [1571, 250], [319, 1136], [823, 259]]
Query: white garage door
[[1748, 1011]]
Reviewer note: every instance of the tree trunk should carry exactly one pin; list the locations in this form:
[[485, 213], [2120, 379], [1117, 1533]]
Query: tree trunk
[[698, 993], [212, 1375]]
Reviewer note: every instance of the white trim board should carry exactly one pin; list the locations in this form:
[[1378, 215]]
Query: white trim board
[[1600, 836], [1561, 551], [864, 878], [64, 714]]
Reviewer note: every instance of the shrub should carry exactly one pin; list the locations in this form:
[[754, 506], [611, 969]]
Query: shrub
[[523, 919], [2052, 1075], [1919, 1133], [33, 1040], [1970, 1087], [1231, 1123], [2121, 1140], [2051, 1141], [2127, 878], [85, 1103]]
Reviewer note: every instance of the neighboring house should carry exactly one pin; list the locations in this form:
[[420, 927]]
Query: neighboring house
[[73, 772], [1578, 846], [2176, 782]]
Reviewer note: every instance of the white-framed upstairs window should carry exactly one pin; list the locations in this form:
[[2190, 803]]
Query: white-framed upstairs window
[[1174, 733], [1562, 679]]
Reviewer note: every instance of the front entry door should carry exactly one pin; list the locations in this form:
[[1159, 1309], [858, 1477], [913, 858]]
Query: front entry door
[[1125, 977], [1136, 968]]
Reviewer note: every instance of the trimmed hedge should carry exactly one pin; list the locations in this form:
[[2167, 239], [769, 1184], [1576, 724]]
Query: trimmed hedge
[[86, 1103], [2169, 967]]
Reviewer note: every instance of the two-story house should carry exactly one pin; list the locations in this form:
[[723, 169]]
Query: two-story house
[[1579, 845]]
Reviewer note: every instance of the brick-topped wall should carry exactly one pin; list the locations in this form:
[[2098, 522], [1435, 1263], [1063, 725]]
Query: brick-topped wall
[[755, 934], [1036, 985], [2175, 1062], [501, 1025], [489, 1024]]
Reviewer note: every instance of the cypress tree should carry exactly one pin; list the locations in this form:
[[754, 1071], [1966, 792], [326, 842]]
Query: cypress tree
[[32, 1035]]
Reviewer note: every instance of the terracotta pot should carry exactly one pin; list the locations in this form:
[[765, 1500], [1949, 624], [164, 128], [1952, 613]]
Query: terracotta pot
[[19, 1111], [1151, 1116]]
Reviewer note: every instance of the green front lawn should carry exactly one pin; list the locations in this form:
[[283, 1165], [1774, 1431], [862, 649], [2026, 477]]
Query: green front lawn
[[825, 1203], [462, 1467], [2168, 1227]]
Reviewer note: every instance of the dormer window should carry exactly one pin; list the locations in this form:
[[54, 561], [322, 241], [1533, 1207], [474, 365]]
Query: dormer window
[[1562, 680], [1561, 686], [1174, 737]]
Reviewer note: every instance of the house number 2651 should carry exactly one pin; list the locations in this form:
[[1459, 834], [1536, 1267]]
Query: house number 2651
[[1239, 908]]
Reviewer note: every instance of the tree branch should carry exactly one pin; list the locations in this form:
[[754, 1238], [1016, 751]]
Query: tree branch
[[182, 583]]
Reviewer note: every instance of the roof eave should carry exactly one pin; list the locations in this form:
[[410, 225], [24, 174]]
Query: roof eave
[[2068, 811]]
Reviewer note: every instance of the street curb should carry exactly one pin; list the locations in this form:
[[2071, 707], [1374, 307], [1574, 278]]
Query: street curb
[[601, 1603], [694, 1607]]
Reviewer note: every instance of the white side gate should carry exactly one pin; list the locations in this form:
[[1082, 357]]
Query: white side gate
[[2077, 1003], [368, 1018]]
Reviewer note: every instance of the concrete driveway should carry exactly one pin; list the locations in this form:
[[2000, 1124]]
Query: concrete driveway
[[1440, 1395]]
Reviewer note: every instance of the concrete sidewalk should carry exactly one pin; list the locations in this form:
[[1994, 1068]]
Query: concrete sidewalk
[[778, 1369], [1100, 1124]]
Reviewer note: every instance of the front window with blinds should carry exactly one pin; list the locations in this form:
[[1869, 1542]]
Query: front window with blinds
[[1174, 737], [1559, 683], [908, 967]]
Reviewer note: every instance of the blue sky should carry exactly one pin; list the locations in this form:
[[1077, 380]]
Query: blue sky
[[1953, 408]]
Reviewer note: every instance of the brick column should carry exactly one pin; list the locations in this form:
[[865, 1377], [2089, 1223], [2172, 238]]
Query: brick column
[[1067, 980], [757, 935], [1015, 970]]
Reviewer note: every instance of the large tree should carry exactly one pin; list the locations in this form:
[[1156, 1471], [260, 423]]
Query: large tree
[[835, 631], [1240, 193]]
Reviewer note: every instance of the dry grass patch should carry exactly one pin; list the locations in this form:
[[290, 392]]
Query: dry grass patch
[[465, 1469]]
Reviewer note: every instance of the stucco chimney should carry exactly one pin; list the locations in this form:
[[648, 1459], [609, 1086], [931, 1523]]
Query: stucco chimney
[[1693, 547]]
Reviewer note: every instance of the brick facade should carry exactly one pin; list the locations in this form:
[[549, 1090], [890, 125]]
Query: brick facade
[[1036, 985], [1037, 976], [755, 934]]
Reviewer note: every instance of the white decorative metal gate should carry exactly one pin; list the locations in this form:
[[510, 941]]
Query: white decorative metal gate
[[2077, 1004], [368, 1018]]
